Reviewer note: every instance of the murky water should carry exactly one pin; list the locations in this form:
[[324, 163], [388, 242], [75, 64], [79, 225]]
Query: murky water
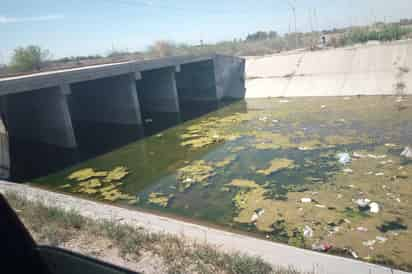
[[310, 172], [31, 159]]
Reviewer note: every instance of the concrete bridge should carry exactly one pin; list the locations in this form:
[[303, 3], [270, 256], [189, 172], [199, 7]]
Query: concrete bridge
[[45, 107]]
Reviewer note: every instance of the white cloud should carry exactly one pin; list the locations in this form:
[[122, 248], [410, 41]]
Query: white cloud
[[11, 20]]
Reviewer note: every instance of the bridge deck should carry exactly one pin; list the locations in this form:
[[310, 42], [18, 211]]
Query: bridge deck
[[47, 79]]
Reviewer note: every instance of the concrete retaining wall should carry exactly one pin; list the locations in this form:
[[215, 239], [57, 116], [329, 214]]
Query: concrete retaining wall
[[364, 70]]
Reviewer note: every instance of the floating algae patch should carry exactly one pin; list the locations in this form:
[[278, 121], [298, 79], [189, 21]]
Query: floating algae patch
[[160, 199], [271, 168], [243, 183], [104, 187], [196, 172], [277, 165], [116, 174], [89, 187], [212, 131], [225, 162], [115, 194], [85, 174]]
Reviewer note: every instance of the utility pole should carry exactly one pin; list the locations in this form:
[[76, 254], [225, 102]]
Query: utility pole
[[311, 29], [293, 8]]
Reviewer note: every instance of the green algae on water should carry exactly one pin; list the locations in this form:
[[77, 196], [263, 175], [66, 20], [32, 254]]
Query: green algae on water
[[250, 165], [277, 165]]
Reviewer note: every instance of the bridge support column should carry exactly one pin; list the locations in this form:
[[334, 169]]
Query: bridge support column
[[230, 78], [157, 91], [40, 116], [159, 100], [108, 100], [106, 113], [196, 88], [196, 82], [4, 152]]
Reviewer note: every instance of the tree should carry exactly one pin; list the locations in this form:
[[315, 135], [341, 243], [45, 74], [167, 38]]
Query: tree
[[29, 58], [162, 49]]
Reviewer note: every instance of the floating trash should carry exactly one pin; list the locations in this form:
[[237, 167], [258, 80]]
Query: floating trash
[[358, 155], [362, 203], [362, 229], [258, 213], [354, 254], [392, 225], [307, 232], [306, 200], [373, 156], [369, 243], [381, 239], [380, 174], [321, 206], [390, 145], [407, 153], [348, 170], [322, 247], [374, 207], [343, 158]]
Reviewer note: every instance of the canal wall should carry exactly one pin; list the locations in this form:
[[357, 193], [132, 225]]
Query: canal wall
[[374, 69], [274, 253], [48, 107]]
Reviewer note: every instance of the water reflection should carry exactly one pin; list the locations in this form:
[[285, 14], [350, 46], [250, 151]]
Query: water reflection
[[31, 160]]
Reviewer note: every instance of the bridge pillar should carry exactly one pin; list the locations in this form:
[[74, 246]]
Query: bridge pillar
[[40, 116], [108, 100], [196, 87], [4, 152], [158, 99], [105, 113], [230, 78]]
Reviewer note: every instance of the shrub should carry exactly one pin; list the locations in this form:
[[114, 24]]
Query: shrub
[[29, 58]]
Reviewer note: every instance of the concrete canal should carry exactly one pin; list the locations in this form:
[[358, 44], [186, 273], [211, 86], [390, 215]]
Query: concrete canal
[[318, 173]]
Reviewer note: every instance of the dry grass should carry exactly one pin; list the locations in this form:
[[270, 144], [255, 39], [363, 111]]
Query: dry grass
[[177, 255]]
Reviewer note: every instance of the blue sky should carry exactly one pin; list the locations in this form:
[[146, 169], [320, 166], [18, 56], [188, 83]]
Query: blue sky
[[82, 27]]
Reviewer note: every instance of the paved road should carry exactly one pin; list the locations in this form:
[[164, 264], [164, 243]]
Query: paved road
[[274, 253]]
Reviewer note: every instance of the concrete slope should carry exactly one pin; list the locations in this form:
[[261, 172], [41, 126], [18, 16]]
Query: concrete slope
[[365, 70], [274, 253]]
